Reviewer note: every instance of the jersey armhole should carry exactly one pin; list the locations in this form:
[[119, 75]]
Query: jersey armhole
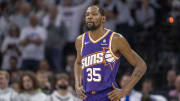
[[110, 46], [82, 43]]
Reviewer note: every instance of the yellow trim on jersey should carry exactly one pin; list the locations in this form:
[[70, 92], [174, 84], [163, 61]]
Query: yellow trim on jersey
[[110, 41], [82, 45], [96, 41]]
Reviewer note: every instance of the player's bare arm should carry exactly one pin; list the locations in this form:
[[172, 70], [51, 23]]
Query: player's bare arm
[[120, 46], [78, 70]]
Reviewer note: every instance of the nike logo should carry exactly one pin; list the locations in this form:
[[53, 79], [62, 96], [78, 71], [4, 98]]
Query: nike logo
[[86, 43]]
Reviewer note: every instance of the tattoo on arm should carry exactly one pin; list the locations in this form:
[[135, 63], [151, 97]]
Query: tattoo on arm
[[138, 73]]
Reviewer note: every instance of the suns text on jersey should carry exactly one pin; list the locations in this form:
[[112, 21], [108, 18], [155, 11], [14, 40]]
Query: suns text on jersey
[[92, 59]]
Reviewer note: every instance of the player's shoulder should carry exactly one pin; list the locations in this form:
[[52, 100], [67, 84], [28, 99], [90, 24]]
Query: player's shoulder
[[117, 36], [80, 37]]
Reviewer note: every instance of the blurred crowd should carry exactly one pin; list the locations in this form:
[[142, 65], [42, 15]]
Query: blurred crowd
[[37, 51]]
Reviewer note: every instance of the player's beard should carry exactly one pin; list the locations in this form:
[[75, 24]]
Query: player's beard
[[93, 27]]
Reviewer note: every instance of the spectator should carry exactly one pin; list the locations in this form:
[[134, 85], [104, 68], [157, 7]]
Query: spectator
[[176, 91], [125, 21], [29, 88], [10, 47], [124, 14], [145, 15], [40, 8], [147, 89], [44, 66], [4, 23], [44, 83], [70, 60], [13, 64], [146, 98], [56, 38], [6, 93], [21, 19], [62, 92], [33, 40], [72, 17], [170, 85], [14, 77], [133, 95], [110, 12]]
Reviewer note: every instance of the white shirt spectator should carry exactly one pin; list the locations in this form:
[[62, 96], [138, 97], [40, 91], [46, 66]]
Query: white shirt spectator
[[7, 41], [57, 97], [124, 14], [33, 51], [4, 26], [8, 95], [134, 96], [36, 96], [57, 21], [72, 17], [145, 17], [20, 20]]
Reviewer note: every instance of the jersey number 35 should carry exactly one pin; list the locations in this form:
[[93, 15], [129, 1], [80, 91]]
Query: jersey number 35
[[93, 75]]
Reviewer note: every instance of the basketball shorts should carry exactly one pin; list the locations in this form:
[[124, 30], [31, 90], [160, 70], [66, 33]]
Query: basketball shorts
[[98, 96]]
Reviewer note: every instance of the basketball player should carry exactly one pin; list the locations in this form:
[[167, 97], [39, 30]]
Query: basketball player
[[98, 59]]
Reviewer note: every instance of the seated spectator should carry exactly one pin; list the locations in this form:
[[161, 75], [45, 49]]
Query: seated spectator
[[14, 72], [6, 93], [147, 89], [170, 85], [69, 68], [146, 98], [63, 90], [13, 64], [11, 47], [14, 79], [176, 92], [33, 40], [44, 67], [29, 88], [133, 95], [44, 83]]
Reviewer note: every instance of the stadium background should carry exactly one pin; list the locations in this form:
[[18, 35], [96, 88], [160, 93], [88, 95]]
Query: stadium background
[[150, 26]]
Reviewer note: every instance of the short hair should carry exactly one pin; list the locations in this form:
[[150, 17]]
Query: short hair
[[62, 76], [32, 76], [146, 98], [101, 10], [5, 73]]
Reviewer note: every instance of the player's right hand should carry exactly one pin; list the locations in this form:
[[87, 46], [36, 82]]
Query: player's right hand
[[80, 92]]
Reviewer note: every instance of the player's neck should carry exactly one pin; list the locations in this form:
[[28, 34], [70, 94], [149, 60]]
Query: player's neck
[[98, 33]]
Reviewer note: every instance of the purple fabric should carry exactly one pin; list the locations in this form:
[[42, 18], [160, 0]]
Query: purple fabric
[[108, 69]]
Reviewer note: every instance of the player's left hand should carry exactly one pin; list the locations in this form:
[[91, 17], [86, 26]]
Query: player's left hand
[[116, 94]]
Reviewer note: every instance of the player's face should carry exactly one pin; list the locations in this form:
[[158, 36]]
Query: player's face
[[93, 18]]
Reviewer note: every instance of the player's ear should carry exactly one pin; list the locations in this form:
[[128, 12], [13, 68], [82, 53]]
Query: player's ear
[[103, 19]]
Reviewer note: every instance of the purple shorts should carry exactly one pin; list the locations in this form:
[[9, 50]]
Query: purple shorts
[[98, 96]]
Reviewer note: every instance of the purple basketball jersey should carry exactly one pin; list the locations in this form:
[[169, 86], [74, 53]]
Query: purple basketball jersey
[[99, 64]]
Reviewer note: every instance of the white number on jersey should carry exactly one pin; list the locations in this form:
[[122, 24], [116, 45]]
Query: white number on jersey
[[93, 75]]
